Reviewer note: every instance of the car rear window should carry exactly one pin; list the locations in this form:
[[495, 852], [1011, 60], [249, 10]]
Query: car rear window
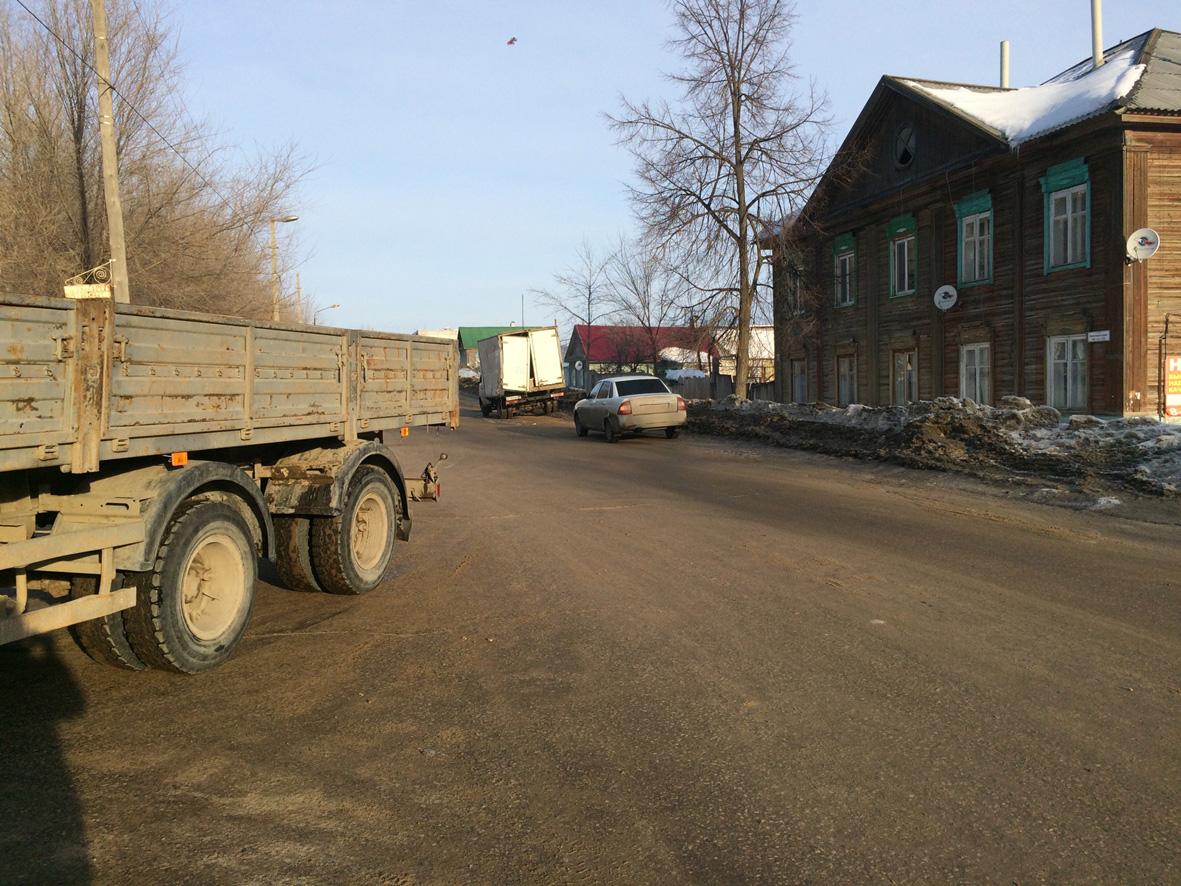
[[631, 386]]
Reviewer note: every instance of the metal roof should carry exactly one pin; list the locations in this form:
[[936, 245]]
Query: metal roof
[[1159, 90]]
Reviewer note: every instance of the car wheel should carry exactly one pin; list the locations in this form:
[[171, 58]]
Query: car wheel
[[609, 430], [672, 433], [578, 427]]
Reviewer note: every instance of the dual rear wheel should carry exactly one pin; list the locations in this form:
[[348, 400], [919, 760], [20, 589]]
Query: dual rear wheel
[[192, 607]]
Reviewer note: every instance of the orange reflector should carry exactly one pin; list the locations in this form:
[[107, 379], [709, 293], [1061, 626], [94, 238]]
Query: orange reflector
[[405, 432], [180, 459]]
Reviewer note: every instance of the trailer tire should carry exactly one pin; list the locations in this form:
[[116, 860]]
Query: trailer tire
[[293, 544], [352, 551], [104, 639], [177, 624], [485, 408]]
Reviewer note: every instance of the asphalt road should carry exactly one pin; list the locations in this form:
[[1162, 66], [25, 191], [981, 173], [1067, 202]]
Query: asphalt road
[[655, 662]]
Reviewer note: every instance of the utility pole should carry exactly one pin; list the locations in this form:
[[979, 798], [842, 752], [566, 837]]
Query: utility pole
[[106, 128]]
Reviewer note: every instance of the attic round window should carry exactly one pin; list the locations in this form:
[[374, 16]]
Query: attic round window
[[904, 146]]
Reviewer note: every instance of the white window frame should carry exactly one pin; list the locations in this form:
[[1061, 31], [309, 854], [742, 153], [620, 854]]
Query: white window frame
[[976, 248], [903, 274], [1068, 226], [799, 381], [976, 378], [846, 379], [1066, 377], [904, 386], [843, 279]]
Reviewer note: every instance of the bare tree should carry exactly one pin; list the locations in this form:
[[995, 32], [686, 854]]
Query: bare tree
[[645, 293], [580, 292], [721, 171], [195, 210]]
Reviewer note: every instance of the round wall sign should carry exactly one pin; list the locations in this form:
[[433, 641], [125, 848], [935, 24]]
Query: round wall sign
[[945, 297], [1143, 244]]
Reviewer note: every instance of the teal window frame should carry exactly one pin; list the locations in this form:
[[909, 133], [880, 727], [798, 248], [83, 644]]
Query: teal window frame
[[973, 208], [898, 230], [1065, 177], [844, 247]]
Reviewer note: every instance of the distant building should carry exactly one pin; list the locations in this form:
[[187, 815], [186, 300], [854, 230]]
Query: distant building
[[1015, 206], [597, 351], [471, 336]]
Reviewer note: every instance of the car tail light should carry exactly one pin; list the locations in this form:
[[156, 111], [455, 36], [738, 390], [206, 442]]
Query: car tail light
[[625, 408], [680, 404]]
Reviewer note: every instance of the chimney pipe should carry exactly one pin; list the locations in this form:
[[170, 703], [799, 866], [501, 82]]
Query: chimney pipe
[[1097, 32], [1004, 64]]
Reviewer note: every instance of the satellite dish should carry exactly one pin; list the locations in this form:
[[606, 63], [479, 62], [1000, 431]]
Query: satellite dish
[[1143, 244], [578, 364], [945, 297]]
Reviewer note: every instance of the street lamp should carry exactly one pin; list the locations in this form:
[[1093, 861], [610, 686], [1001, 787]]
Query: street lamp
[[275, 265], [321, 310]]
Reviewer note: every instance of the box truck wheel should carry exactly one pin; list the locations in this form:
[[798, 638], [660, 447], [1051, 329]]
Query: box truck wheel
[[352, 551], [103, 639], [485, 407], [505, 412], [193, 606], [293, 544]]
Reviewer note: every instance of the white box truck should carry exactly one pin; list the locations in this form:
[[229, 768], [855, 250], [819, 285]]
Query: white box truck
[[521, 369]]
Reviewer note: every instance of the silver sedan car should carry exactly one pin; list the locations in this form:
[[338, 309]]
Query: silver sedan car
[[630, 404]]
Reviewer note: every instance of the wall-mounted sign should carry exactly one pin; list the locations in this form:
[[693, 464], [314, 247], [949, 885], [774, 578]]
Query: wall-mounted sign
[[1100, 335], [1173, 386], [88, 290], [945, 297], [1143, 244]]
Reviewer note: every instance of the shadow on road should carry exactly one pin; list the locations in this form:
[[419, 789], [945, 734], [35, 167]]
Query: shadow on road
[[42, 831]]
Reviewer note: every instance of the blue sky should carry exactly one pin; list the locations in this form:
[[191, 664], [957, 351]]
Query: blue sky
[[456, 173]]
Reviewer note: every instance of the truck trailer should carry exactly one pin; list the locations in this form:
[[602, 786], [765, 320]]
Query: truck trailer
[[149, 458], [521, 369]]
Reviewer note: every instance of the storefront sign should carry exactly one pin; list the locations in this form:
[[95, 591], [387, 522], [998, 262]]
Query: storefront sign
[[1173, 387]]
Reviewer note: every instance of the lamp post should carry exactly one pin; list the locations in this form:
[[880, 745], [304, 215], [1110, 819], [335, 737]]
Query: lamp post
[[275, 265], [320, 311]]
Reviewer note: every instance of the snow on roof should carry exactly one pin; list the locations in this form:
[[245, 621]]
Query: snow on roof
[[1024, 114]]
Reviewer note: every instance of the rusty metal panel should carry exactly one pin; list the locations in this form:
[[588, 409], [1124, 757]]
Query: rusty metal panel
[[168, 372], [298, 374], [35, 381]]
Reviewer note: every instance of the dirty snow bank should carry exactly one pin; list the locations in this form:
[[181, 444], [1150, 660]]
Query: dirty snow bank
[[1015, 440]]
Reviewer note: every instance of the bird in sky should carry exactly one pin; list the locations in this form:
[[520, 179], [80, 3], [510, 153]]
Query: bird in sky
[[512, 42]]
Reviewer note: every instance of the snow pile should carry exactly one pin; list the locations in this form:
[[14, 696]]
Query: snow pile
[[1024, 114], [1013, 440]]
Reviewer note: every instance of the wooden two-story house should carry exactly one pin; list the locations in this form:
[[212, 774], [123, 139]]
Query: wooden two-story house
[[974, 243]]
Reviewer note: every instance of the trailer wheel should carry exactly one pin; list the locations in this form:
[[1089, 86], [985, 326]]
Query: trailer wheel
[[293, 543], [352, 551], [485, 408], [104, 639], [192, 608]]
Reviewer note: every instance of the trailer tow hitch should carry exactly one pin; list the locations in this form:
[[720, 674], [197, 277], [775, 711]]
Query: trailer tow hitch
[[430, 488]]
